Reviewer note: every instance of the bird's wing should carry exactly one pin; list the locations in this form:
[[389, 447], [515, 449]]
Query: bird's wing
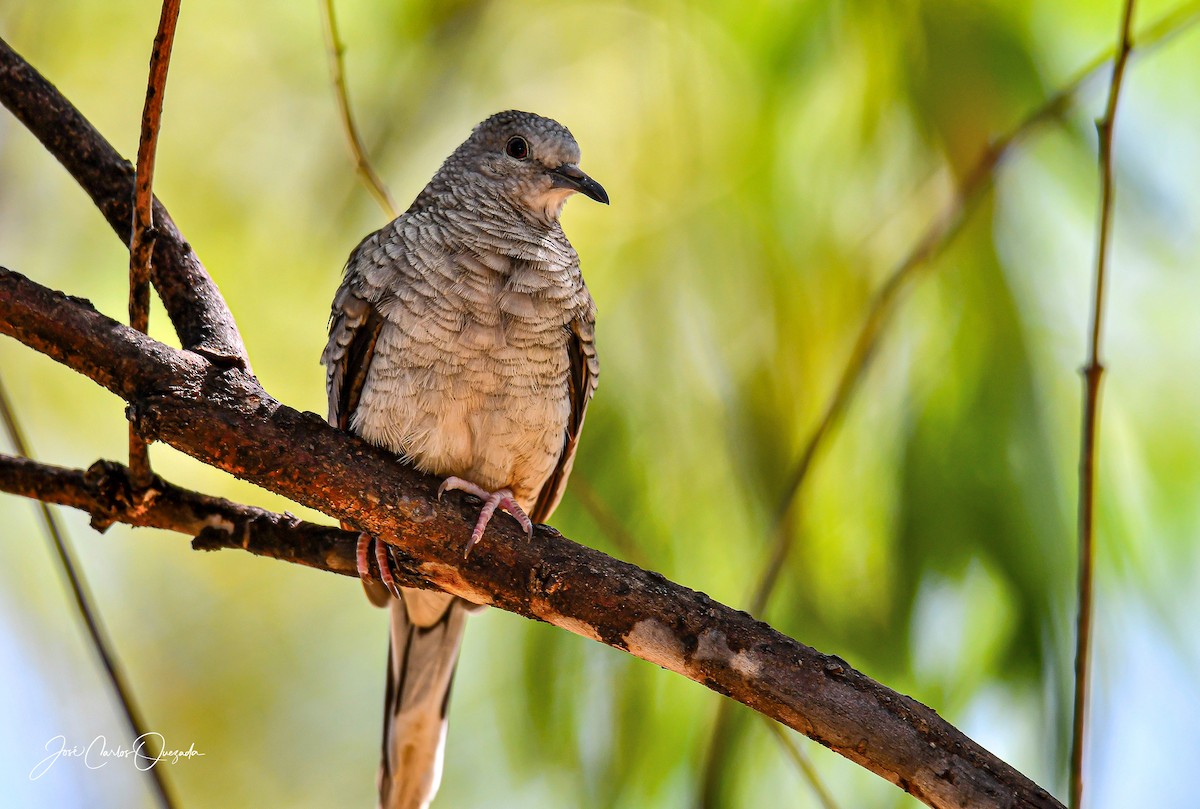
[[581, 384], [354, 327], [355, 323]]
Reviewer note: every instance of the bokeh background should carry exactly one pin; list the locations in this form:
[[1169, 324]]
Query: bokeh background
[[769, 163]]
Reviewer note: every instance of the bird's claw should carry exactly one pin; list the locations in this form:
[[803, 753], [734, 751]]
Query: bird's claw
[[502, 499], [383, 558]]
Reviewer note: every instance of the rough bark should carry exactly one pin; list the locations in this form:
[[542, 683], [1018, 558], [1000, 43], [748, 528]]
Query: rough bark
[[107, 493], [221, 416]]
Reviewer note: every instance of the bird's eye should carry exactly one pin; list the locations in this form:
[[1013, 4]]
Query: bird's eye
[[517, 147]]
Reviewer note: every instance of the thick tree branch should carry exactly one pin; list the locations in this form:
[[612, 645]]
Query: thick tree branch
[[107, 493], [195, 306], [222, 417]]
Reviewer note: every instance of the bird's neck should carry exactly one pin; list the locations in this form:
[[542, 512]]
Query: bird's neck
[[491, 221]]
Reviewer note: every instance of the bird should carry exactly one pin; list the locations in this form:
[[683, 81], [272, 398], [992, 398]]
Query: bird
[[462, 339]]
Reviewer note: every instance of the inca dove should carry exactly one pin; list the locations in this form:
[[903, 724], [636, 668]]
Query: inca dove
[[461, 339]]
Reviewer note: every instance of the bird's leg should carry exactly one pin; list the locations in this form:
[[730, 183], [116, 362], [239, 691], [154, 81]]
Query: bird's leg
[[383, 558], [502, 499]]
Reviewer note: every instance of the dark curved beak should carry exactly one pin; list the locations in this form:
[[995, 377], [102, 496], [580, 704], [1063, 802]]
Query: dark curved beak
[[568, 175]]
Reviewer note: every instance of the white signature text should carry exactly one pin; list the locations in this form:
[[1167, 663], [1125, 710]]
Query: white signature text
[[98, 753]]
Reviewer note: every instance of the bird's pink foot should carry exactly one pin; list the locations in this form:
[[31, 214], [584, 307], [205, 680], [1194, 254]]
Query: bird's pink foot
[[382, 558], [502, 499]]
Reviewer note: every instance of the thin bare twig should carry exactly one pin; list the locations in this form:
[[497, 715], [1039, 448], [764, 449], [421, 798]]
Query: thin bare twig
[[141, 243], [83, 604], [1092, 374], [803, 764], [943, 229], [337, 71]]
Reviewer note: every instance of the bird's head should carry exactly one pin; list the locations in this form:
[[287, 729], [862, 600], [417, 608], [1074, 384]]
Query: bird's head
[[530, 160]]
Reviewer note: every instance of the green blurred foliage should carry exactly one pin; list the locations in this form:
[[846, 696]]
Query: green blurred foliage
[[769, 163]]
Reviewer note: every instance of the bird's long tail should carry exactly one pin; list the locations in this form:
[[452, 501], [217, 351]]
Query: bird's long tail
[[427, 628]]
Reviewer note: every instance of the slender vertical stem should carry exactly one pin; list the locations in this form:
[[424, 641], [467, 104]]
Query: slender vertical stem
[[141, 244], [1088, 450], [83, 604], [337, 71]]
